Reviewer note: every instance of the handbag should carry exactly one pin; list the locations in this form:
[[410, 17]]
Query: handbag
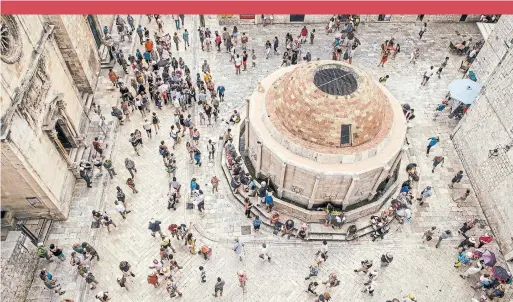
[[346, 56]]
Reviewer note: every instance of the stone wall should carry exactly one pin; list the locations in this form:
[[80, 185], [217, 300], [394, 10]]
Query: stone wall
[[324, 19], [33, 150], [18, 265], [494, 49], [487, 126], [76, 43]]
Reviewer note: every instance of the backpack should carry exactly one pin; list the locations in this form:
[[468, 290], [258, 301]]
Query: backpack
[[41, 252], [187, 123], [155, 120], [124, 266]]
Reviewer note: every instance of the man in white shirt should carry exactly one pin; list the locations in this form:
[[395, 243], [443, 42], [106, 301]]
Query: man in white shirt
[[121, 209], [264, 252], [238, 63], [427, 74], [147, 127], [323, 249]]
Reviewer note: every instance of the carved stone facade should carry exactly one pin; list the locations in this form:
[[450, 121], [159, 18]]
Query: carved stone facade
[[42, 106]]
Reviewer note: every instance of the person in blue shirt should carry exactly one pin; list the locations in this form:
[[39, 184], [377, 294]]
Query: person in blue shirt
[[105, 31], [256, 223], [220, 91], [147, 57], [439, 109], [194, 185], [269, 202], [432, 142], [138, 55], [140, 32]]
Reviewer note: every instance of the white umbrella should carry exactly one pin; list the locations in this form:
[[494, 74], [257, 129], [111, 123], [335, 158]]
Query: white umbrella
[[464, 90]]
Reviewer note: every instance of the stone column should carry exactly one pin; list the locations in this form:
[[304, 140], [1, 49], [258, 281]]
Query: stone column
[[314, 192], [281, 181], [258, 164], [246, 133], [354, 180], [384, 171]]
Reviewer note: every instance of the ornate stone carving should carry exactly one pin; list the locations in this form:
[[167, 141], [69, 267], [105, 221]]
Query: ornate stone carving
[[11, 43], [329, 196], [33, 103], [297, 190]]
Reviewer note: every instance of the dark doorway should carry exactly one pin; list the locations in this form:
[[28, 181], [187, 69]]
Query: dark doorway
[[384, 17], [463, 18], [61, 136], [94, 30], [297, 18], [420, 17]]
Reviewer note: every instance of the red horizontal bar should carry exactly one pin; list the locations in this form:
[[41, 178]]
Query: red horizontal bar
[[257, 7]]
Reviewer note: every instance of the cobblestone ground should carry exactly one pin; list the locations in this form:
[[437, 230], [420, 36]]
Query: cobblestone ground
[[418, 268]]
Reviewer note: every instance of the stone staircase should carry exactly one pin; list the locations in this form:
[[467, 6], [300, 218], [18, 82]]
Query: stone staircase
[[106, 62]]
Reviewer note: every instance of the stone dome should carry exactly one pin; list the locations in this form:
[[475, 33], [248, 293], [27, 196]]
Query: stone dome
[[311, 103]]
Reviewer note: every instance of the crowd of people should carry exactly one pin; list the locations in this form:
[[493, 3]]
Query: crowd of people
[[160, 81]]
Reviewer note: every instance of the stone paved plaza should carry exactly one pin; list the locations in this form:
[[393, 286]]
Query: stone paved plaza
[[417, 269]]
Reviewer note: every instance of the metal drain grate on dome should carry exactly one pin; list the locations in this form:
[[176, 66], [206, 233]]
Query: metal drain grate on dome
[[335, 81]]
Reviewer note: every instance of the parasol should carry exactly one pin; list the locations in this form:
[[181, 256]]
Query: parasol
[[500, 273], [464, 90], [489, 258]]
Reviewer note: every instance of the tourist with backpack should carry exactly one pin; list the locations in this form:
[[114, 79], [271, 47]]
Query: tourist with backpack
[[42, 252]]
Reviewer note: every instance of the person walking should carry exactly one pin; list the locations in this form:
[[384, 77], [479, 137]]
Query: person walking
[[79, 249], [155, 121], [275, 46], [131, 184], [90, 250], [177, 40], [425, 194], [427, 75], [439, 109], [215, 183], [185, 37], [437, 160], [446, 234], [432, 142], [238, 248], [130, 166], [154, 227], [414, 55], [256, 224], [107, 164], [57, 252], [52, 285], [147, 127], [120, 207], [323, 249], [218, 287], [203, 274], [247, 207], [463, 197], [124, 266], [264, 251], [238, 63], [85, 169], [428, 234], [456, 179], [423, 30], [365, 266]]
